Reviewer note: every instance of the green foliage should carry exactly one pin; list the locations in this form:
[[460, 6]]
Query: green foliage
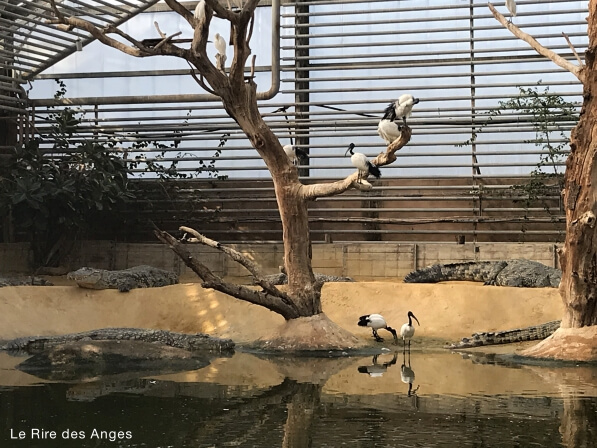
[[547, 113], [52, 193]]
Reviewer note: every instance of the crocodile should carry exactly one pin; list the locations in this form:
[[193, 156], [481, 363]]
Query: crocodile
[[124, 280], [190, 342], [518, 273], [24, 281], [533, 333], [282, 279]]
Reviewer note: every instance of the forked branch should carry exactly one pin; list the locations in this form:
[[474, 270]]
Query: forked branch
[[253, 269], [280, 305], [385, 158], [576, 70]]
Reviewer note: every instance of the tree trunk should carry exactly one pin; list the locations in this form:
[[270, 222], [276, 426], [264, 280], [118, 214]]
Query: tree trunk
[[578, 259], [302, 287]]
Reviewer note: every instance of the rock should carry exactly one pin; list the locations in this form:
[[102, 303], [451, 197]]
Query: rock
[[79, 360]]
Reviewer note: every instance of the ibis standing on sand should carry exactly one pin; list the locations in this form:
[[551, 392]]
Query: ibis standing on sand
[[408, 330], [376, 322], [401, 108], [293, 153], [362, 164]]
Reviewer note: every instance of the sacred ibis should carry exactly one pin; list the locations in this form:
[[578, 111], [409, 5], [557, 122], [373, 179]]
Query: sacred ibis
[[389, 130], [376, 322], [220, 44], [199, 13], [401, 108], [362, 164], [293, 153], [511, 5], [408, 330]]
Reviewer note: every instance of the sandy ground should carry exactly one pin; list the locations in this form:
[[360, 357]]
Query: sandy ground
[[446, 311]]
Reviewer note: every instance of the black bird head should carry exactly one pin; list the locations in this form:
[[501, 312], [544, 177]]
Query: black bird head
[[409, 315], [416, 101], [349, 150]]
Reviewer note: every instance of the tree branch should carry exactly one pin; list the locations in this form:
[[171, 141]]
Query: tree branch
[[580, 63], [210, 280], [240, 259], [554, 57], [313, 191], [102, 36]]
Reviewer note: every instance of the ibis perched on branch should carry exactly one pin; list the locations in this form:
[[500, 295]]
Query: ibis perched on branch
[[293, 153], [362, 164], [408, 330], [389, 130], [199, 13], [511, 5], [401, 108], [376, 322]]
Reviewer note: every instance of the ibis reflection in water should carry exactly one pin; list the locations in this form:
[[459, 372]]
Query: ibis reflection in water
[[407, 375], [377, 369]]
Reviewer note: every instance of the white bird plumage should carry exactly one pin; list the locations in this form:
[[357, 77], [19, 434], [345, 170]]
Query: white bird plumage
[[199, 13], [362, 164], [511, 5], [293, 153], [376, 322], [401, 108], [408, 330], [389, 130], [220, 44]]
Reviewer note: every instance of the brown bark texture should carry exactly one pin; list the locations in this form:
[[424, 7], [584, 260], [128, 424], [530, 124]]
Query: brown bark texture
[[578, 258]]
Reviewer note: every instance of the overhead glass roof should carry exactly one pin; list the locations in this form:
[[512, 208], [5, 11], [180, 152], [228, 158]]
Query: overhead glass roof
[[29, 45]]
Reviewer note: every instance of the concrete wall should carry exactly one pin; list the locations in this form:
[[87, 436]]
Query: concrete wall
[[361, 261]]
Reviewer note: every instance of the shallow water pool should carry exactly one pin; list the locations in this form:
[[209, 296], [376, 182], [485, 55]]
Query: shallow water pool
[[430, 399]]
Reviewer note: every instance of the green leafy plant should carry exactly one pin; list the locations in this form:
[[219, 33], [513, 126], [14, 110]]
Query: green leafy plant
[[547, 113], [51, 190]]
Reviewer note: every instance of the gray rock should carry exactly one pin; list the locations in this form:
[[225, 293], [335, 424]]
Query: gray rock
[[517, 273], [80, 360], [123, 280]]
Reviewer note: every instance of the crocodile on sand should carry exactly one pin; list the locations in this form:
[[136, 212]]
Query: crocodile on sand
[[519, 273], [533, 333], [24, 281], [137, 277], [282, 278], [190, 342]]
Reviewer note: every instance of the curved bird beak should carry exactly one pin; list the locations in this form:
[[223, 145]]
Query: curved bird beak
[[416, 101], [415, 318], [350, 148]]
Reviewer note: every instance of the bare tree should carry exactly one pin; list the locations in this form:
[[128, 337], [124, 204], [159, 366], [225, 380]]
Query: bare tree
[[578, 258], [237, 92]]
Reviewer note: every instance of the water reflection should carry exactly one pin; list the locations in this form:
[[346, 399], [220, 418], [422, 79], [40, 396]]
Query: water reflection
[[407, 375], [377, 369], [258, 401]]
